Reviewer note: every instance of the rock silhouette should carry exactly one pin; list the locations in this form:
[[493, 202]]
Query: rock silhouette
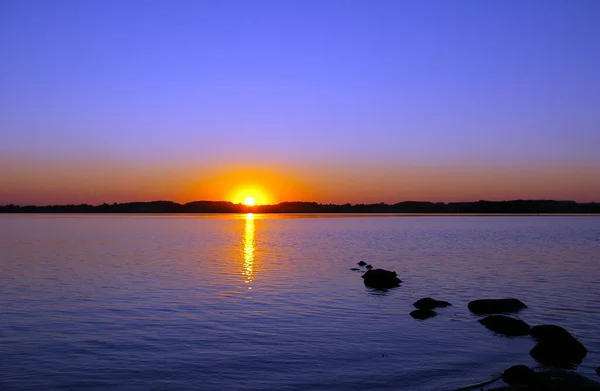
[[552, 380], [381, 279], [598, 371], [427, 303], [423, 314], [495, 306], [556, 347], [362, 263], [518, 374], [506, 325], [369, 267]]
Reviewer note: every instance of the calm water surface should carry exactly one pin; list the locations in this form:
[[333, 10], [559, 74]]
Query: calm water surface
[[270, 303]]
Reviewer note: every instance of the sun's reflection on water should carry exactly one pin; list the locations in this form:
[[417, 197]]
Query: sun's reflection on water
[[249, 249]]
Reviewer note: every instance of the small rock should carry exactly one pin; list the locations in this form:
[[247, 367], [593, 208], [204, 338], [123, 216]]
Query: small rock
[[355, 269], [369, 267], [495, 306], [423, 314], [381, 279], [427, 303], [506, 325], [556, 347], [362, 263], [518, 374]]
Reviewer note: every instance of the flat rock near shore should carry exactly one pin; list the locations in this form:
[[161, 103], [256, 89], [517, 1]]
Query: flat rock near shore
[[554, 380]]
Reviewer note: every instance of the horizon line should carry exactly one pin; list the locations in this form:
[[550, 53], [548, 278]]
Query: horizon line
[[298, 202]]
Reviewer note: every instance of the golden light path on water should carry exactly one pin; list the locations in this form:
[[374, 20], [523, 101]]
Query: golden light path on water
[[249, 249]]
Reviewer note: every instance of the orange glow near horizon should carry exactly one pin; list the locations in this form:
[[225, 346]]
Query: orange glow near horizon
[[238, 185], [38, 182], [249, 195]]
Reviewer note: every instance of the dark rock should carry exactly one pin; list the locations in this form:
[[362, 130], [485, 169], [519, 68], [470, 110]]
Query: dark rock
[[495, 306], [381, 279], [369, 267], [423, 314], [518, 374], [362, 263], [427, 303], [556, 347], [554, 380], [355, 269], [598, 371], [506, 325]]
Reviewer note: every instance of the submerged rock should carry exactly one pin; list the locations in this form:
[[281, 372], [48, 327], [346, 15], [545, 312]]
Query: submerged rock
[[518, 374], [381, 279], [495, 306], [506, 325], [355, 269], [362, 263], [423, 314], [427, 303], [556, 347]]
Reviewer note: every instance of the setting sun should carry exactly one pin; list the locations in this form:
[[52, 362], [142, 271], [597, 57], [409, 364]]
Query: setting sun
[[249, 201]]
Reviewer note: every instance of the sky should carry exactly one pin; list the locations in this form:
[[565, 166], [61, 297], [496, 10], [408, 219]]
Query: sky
[[313, 100]]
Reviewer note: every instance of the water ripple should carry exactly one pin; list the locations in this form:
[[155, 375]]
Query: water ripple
[[211, 303]]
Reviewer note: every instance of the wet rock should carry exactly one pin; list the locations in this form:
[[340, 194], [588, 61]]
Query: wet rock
[[556, 347], [423, 314], [495, 306], [427, 303], [369, 267], [518, 374], [381, 279], [554, 380], [362, 263], [506, 325]]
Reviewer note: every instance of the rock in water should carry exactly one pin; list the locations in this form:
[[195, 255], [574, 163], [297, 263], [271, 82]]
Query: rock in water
[[506, 325], [381, 279], [423, 314], [556, 347], [362, 263], [427, 303], [518, 374], [495, 306], [369, 267], [598, 371], [557, 380]]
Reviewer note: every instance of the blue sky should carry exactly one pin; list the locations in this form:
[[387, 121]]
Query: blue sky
[[384, 85]]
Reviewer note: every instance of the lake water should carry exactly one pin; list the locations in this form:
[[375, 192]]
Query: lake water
[[236, 302]]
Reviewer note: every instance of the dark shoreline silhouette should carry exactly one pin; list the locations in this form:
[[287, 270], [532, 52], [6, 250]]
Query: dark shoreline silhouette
[[477, 207]]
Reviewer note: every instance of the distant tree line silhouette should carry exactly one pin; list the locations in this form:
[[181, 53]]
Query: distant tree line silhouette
[[478, 207]]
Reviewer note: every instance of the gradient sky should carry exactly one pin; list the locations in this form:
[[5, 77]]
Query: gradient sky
[[324, 100]]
